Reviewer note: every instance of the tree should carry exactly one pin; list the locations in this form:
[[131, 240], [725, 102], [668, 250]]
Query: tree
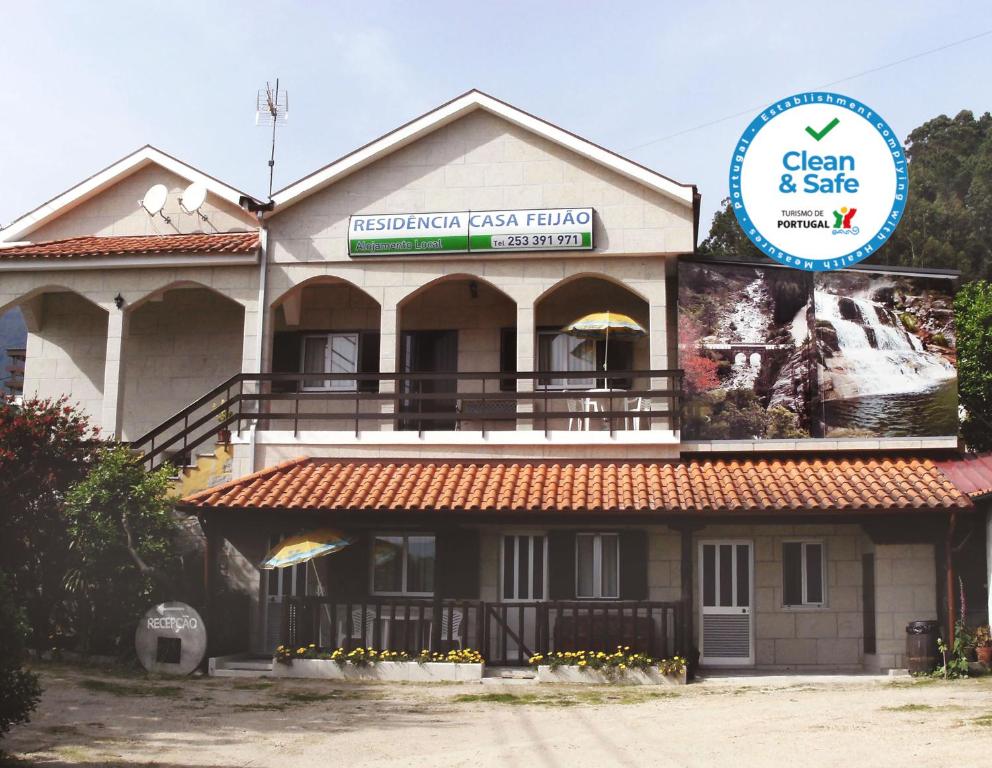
[[948, 219], [45, 446], [727, 240], [699, 369], [973, 316], [123, 553], [19, 689]]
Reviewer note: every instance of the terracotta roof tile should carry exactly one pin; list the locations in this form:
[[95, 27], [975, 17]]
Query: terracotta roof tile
[[699, 486], [89, 247]]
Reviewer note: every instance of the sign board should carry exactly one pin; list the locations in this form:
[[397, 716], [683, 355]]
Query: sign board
[[419, 234], [171, 639]]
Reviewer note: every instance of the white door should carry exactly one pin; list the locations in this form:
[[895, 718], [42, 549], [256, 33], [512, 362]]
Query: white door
[[523, 582], [726, 615]]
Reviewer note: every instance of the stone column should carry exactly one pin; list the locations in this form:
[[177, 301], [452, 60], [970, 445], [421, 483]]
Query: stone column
[[112, 413], [526, 359], [654, 292], [388, 352]]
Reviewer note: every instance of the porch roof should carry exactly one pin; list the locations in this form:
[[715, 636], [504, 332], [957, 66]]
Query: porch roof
[[693, 486], [972, 473], [131, 245]]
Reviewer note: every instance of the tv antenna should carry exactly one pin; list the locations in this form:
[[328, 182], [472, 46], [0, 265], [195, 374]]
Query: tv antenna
[[272, 108], [154, 201]]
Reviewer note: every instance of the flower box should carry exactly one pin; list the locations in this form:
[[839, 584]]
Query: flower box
[[574, 674], [391, 671]]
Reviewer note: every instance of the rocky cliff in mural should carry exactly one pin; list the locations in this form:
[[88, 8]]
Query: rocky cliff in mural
[[771, 352], [750, 327]]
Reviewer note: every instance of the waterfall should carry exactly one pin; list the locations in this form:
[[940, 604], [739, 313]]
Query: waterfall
[[747, 322], [877, 355]]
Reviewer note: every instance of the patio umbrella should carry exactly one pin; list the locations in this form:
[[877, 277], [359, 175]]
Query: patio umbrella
[[603, 325], [305, 547]]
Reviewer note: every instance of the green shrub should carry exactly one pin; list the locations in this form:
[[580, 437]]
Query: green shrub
[[19, 689]]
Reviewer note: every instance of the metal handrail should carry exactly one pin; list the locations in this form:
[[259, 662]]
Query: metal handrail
[[248, 406]]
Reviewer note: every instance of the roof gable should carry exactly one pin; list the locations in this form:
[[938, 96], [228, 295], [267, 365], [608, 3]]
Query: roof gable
[[108, 177], [457, 108]]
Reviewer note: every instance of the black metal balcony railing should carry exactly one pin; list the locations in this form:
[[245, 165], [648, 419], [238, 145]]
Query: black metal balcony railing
[[420, 402]]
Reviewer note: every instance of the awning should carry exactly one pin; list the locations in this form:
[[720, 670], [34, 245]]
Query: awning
[[818, 486], [971, 473]]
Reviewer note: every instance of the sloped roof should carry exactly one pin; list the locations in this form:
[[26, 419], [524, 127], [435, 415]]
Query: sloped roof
[[701, 487], [110, 175], [77, 247], [459, 107], [972, 473]]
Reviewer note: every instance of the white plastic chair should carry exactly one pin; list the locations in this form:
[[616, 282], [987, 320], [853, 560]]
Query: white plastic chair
[[356, 625], [585, 404], [641, 404], [456, 625]]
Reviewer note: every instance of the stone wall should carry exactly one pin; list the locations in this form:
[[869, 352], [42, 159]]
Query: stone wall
[[66, 352], [799, 638], [177, 348], [905, 591], [116, 211]]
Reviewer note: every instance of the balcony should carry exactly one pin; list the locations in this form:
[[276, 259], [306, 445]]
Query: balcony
[[635, 406]]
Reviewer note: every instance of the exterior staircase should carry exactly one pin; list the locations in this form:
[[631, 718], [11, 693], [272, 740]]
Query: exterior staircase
[[205, 470]]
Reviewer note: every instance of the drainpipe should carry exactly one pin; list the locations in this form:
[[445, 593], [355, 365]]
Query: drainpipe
[[949, 568], [988, 558], [263, 261]]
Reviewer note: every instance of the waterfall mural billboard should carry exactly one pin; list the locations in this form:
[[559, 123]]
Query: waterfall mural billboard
[[773, 353]]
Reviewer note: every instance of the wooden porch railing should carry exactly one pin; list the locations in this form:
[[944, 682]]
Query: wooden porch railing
[[420, 402], [507, 634]]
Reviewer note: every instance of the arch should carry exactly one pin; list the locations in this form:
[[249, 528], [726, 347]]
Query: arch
[[590, 275], [454, 277], [152, 295], [42, 290], [327, 279]]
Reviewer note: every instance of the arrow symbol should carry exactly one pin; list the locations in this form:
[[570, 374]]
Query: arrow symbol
[[162, 608]]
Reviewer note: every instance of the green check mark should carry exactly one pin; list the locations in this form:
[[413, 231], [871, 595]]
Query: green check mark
[[827, 129]]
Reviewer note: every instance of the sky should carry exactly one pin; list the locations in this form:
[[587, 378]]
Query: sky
[[87, 83]]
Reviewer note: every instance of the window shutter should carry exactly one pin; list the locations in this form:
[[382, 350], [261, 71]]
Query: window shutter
[[792, 573], [286, 357], [633, 565], [348, 571], [368, 359], [561, 565], [458, 562]]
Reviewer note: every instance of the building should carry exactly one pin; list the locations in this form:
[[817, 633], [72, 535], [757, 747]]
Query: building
[[384, 343]]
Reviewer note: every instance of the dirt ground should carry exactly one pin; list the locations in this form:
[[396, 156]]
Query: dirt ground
[[90, 716]]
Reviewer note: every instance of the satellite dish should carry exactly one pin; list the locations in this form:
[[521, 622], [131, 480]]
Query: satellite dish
[[154, 200], [193, 197]]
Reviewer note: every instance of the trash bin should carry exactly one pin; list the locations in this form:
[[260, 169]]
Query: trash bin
[[921, 646]]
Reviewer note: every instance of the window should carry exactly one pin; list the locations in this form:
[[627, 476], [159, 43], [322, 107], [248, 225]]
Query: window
[[525, 558], [330, 353], [558, 351], [597, 565], [403, 565], [803, 573]]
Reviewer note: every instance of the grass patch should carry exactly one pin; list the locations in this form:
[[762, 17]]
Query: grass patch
[[908, 708], [612, 696], [312, 697], [252, 686], [985, 721], [125, 689], [260, 707]]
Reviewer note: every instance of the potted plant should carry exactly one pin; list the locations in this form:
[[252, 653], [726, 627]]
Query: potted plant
[[983, 645], [223, 417]]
